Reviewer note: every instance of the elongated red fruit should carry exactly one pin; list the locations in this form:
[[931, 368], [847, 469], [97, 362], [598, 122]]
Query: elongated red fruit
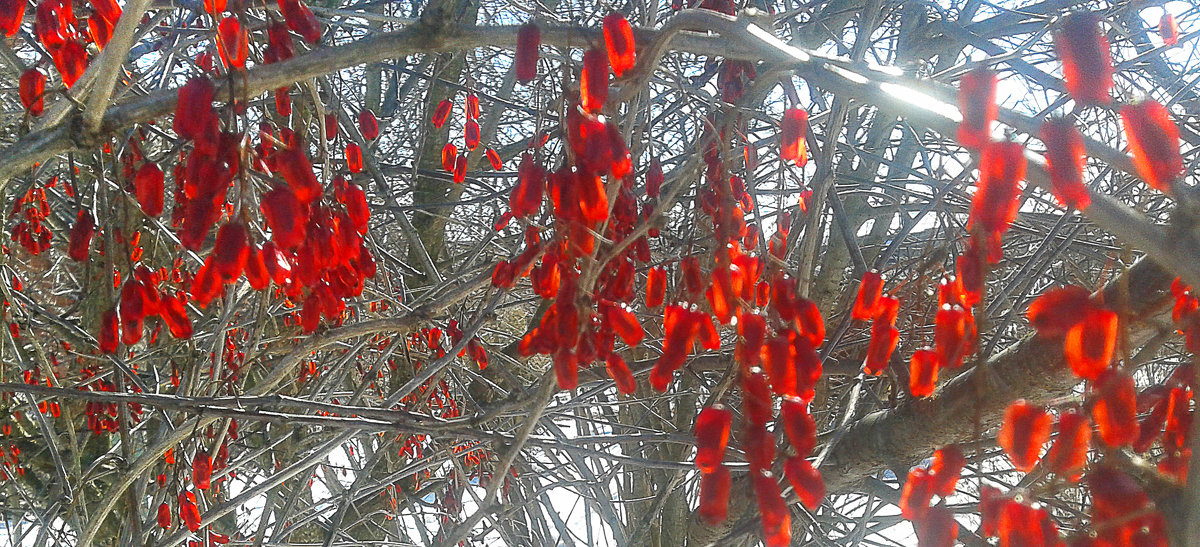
[[164, 515], [1114, 494], [354, 159], [232, 43], [752, 329], [886, 310], [174, 314], [799, 425], [472, 106], [948, 463], [714, 495], [278, 265], [1168, 29], [625, 324], [1025, 525], [720, 294], [1154, 143], [1179, 419], [654, 178], [756, 397], [202, 470], [230, 251], [442, 113], [1068, 454], [131, 331], [193, 110], [995, 204], [368, 124], [133, 300], [937, 529], [916, 493], [952, 335], [1091, 343], [494, 159], [977, 102], [70, 61], [32, 88], [460, 169], [680, 329], [1055, 311], [529, 37], [285, 216], [188, 512], [148, 185], [808, 368], [656, 287], [1087, 63], [471, 134], [109, 328], [256, 270], [355, 201], [968, 269], [792, 131], [712, 436], [779, 362], [526, 197], [991, 501], [776, 520], [808, 320], [867, 300], [301, 20], [280, 47], [12, 12], [1065, 160], [566, 368], [884, 338], [619, 371], [1026, 428], [449, 156], [806, 481], [618, 38], [1115, 408], [81, 236], [923, 372], [593, 81], [54, 23], [283, 102]]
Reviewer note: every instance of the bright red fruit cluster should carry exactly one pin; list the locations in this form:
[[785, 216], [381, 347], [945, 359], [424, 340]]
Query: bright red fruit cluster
[[584, 262], [32, 233], [934, 525], [140, 298], [57, 29], [315, 251], [1087, 328], [454, 162], [592, 304]]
